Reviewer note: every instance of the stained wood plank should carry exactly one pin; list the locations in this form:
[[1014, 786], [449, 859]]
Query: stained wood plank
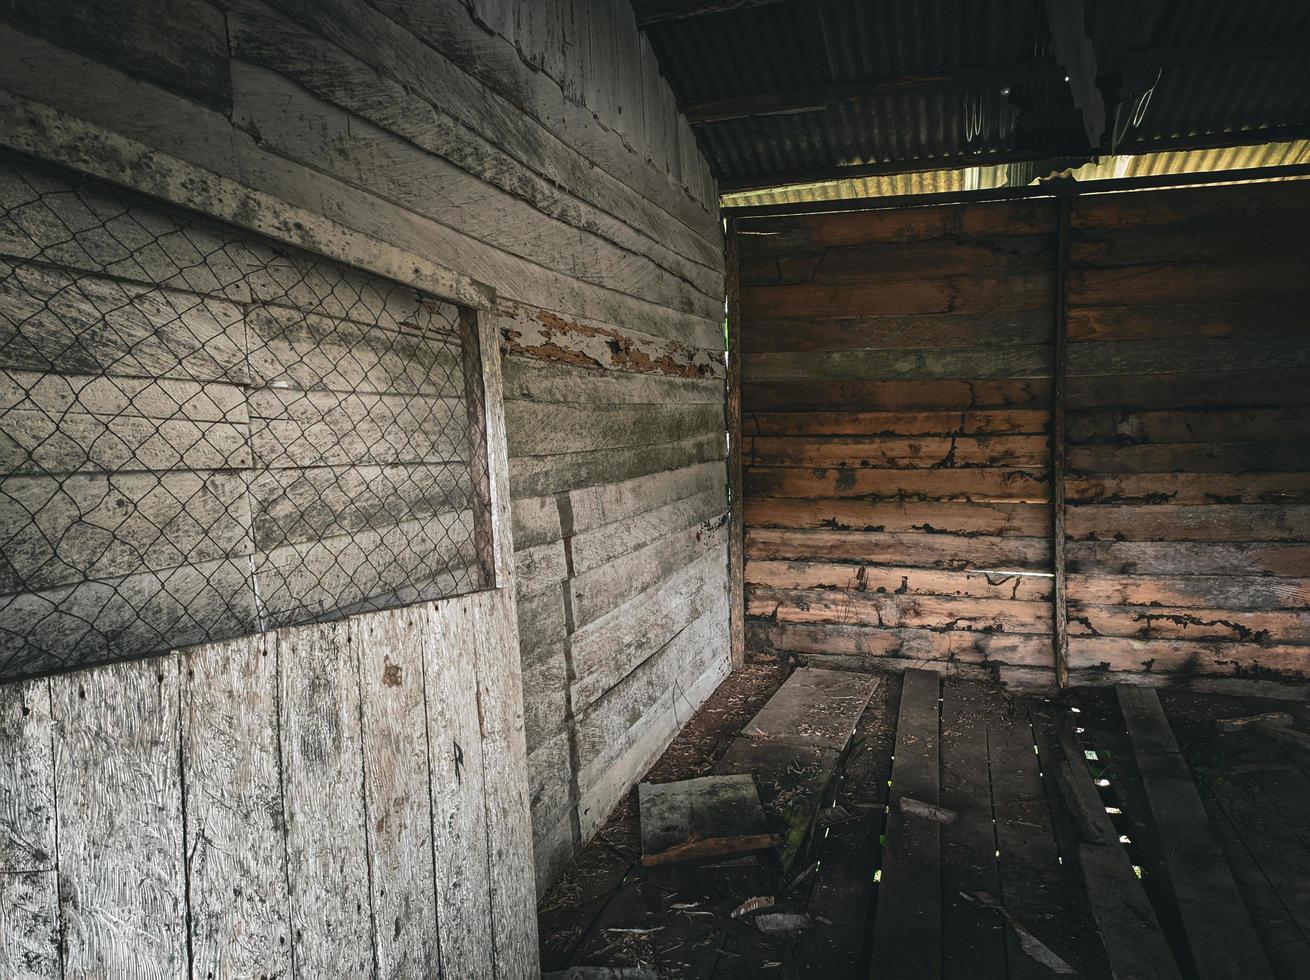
[[29, 902], [707, 817], [459, 818], [397, 790], [907, 933], [323, 799], [897, 580], [893, 611], [238, 906], [1219, 930], [909, 548], [504, 754], [998, 484], [120, 826], [938, 517]]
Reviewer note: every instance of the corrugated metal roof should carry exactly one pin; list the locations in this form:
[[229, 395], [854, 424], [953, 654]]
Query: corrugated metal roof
[[797, 44], [1176, 162]]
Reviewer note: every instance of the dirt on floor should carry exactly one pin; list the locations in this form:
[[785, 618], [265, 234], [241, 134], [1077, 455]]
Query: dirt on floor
[[570, 909]]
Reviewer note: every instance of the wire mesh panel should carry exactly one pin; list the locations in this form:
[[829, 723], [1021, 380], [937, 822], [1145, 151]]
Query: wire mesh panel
[[206, 434]]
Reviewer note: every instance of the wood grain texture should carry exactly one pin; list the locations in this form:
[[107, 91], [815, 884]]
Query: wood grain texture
[[120, 829], [323, 800], [397, 791], [456, 764], [238, 905]]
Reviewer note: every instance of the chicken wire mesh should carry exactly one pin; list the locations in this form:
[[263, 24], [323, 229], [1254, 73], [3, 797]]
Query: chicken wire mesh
[[207, 434]]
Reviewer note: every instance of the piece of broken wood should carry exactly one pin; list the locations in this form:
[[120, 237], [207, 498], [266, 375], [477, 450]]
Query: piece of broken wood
[[926, 811], [1238, 724], [773, 922], [707, 817]]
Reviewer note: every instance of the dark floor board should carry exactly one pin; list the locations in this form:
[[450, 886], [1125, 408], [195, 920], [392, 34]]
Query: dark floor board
[[1120, 935], [1219, 929], [1032, 881], [973, 938], [907, 932]]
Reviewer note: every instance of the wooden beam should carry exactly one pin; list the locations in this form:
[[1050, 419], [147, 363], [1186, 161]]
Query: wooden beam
[[1060, 611], [1224, 942], [656, 11], [907, 932], [736, 517]]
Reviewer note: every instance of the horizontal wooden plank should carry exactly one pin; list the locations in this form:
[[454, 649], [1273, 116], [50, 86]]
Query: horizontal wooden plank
[[904, 645], [111, 395], [901, 580], [1238, 319], [879, 261], [610, 503], [915, 452], [536, 475], [1190, 488], [1151, 357], [608, 649], [1188, 558], [310, 351], [1191, 457], [913, 549], [965, 221], [544, 429], [1230, 387], [399, 565], [961, 363], [1203, 425], [970, 483], [1184, 657], [1213, 522], [938, 517], [608, 586], [1216, 243], [594, 548], [54, 319], [62, 530], [540, 381], [325, 428], [77, 442], [95, 622], [947, 294], [1234, 592], [930, 331], [999, 422], [885, 611], [300, 505], [1175, 207], [942, 395], [1262, 627]]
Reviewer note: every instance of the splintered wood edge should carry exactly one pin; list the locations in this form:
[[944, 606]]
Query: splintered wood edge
[[712, 847]]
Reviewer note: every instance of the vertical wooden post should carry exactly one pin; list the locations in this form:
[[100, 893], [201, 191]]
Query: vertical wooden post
[[1060, 619], [736, 514], [486, 425]]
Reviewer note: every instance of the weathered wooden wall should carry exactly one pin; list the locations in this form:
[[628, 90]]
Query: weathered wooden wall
[[344, 799], [479, 138], [895, 404], [1189, 432]]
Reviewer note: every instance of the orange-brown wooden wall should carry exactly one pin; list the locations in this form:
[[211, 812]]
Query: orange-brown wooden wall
[[896, 401]]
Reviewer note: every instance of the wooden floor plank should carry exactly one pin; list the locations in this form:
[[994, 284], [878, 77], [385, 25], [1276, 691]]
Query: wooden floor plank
[[973, 939], [1130, 934], [907, 933], [1219, 929]]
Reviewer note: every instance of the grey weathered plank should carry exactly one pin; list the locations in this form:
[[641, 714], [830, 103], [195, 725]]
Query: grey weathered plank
[[551, 429], [66, 529], [590, 549], [397, 791], [1219, 930], [459, 819], [542, 381], [238, 907], [536, 475], [907, 932], [504, 756], [706, 817], [323, 801], [492, 425], [92, 622], [29, 906], [120, 826], [614, 502]]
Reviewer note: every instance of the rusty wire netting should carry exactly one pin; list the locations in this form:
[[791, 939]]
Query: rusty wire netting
[[207, 434]]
